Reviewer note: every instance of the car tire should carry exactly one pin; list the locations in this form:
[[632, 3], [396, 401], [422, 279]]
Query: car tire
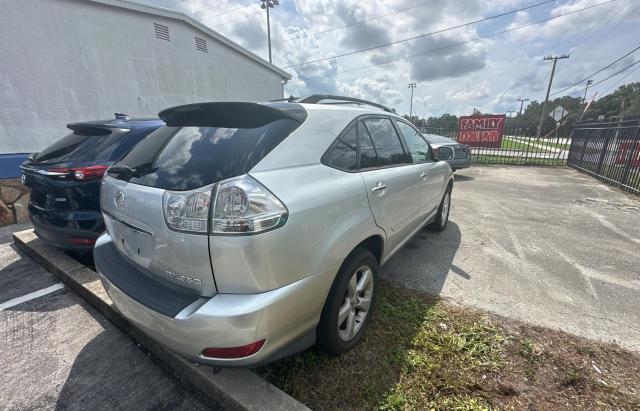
[[442, 217], [333, 335]]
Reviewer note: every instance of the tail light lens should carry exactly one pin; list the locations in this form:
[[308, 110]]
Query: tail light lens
[[82, 173], [189, 210], [241, 206], [244, 206]]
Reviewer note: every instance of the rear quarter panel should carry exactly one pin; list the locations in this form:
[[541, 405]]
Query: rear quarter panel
[[328, 216]]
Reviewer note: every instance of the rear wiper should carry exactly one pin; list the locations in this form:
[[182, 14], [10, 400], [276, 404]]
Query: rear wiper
[[121, 170], [124, 171]]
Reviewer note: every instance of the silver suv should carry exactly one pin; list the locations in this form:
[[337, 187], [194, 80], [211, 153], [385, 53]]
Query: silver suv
[[244, 232]]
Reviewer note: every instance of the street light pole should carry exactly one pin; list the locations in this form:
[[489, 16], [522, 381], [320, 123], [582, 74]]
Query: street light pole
[[546, 99], [411, 86], [269, 4]]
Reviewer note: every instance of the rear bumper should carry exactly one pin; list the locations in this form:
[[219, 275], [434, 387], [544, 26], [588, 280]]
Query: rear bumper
[[56, 229], [283, 317]]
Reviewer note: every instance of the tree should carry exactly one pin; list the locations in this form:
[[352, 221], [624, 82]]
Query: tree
[[624, 101]]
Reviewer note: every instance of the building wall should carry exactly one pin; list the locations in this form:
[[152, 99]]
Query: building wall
[[72, 60]]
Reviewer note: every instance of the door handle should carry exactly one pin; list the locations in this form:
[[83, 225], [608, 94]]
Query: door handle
[[423, 175], [379, 187]]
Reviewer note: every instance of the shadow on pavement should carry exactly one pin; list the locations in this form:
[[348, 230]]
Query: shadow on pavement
[[460, 178], [110, 372], [425, 262]]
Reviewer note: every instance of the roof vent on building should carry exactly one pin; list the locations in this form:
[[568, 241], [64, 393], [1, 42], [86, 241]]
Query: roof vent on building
[[162, 32], [201, 44]]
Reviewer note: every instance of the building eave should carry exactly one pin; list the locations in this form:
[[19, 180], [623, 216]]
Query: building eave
[[176, 15]]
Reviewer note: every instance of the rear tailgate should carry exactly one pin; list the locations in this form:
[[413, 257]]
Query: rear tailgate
[[135, 221], [152, 187]]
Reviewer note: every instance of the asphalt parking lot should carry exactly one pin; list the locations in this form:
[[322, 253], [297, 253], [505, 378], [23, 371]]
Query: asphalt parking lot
[[549, 246], [59, 353]]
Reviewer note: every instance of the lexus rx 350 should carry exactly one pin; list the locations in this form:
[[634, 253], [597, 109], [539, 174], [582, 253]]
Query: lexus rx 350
[[242, 232]]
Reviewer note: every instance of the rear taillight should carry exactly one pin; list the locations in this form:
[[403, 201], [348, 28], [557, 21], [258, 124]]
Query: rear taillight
[[233, 352], [241, 206], [82, 240], [244, 206], [189, 210], [82, 173]]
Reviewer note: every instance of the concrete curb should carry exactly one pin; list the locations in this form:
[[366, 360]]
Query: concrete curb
[[234, 389]]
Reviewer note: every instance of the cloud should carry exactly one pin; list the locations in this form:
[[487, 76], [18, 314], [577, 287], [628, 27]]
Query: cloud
[[490, 74], [440, 60], [470, 92]]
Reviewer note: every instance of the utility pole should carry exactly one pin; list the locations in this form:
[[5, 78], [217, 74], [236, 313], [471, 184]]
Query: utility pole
[[411, 86], [584, 99], [269, 4], [517, 127], [546, 99], [521, 100]]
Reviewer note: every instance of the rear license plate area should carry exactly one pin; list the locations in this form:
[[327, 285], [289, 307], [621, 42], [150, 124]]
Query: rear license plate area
[[134, 243]]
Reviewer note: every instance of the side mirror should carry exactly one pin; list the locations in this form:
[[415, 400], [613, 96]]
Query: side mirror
[[445, 153]]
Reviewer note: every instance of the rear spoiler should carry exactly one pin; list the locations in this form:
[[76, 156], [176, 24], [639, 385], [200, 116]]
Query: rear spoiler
[[98, 127], [231, 114]]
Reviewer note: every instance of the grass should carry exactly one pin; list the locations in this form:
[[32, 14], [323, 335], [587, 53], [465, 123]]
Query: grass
[[421, 353], [516, 160], [554, 144], [512, 144]]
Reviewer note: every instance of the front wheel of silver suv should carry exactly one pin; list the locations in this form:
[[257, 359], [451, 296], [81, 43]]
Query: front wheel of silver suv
[[442, 217], [350, 303]]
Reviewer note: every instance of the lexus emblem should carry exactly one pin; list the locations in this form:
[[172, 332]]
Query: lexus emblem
[[118, 199]]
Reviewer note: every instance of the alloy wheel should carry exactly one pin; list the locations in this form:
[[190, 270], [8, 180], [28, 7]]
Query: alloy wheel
[[357, 301], [445, 208]]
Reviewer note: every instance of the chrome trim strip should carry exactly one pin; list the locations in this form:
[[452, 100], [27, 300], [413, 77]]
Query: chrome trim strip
[[131, 226]]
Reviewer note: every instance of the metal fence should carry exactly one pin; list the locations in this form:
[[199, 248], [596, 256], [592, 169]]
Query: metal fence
[[609, 150], [519, 146]]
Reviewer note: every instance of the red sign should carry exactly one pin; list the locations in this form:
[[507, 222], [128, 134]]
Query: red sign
[[482, 130], [625, 151]]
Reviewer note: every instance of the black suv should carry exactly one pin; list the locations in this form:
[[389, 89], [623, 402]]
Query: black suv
[[65, 178]]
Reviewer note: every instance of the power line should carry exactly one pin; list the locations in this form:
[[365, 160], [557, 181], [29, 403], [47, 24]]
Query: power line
[[592, 26], [620, 80], [356, 23], [607, 78], [429, 34], [597, 72], [573, 49], [573, 22], [225, 12], [473, 40], [600, 38], [214, 6]]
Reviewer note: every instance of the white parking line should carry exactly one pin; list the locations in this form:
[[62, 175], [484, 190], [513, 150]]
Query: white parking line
[[31, 296]]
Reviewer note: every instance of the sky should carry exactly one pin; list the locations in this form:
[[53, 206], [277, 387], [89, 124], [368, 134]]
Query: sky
[[455, 69]]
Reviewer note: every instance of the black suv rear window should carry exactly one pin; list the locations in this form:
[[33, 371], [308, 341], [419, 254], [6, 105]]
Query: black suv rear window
[[184, 158], [86, 145]]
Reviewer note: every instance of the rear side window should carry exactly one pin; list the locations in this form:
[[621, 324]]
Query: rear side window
[[88, 145], [184, 158], [344, 153], [380, 145]]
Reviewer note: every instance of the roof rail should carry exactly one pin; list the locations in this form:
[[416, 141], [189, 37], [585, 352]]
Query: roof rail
[[317, 98]]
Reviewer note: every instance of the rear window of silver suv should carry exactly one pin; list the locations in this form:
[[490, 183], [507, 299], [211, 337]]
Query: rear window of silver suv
[[184, 158]]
